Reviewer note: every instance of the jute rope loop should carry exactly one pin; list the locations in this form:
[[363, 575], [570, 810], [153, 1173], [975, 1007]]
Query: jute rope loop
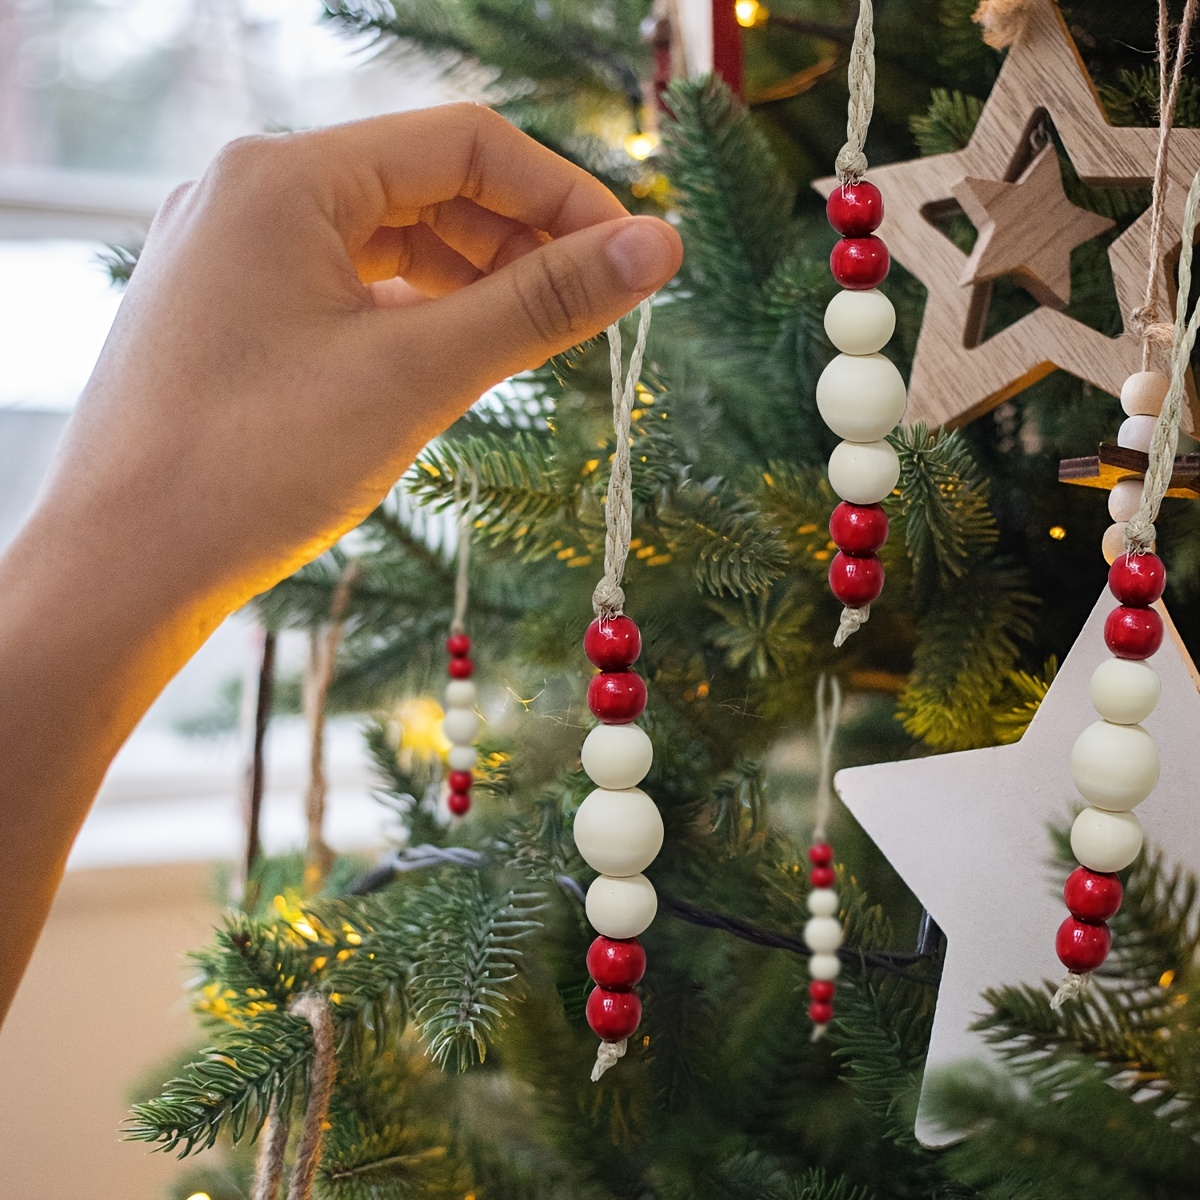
[[828, 716], [851, 162], [466, 522]]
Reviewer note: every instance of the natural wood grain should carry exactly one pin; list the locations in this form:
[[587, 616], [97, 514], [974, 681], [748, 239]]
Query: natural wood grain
[[1115, 464]]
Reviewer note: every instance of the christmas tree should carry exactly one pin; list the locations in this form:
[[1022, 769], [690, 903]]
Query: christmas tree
[[455, 972]]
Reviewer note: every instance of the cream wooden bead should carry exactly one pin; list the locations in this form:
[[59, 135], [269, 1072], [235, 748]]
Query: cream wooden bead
[[861, 397], [863, 472], [462, 758], [617, 756], [618, 833], [1106, 841], [1135, 433], [1125, 499], [1115, 767], [1143, 393], [824, 966], [823, 902], [621, 908], [1124, 690], [860, 322], [460, 693], [822, 935], [461, 726], [1112, 546]]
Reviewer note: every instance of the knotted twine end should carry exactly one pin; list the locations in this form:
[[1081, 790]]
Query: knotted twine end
[[818, 1032], [1002, 21], [1073, 986], [851, 162], [853, 619], [608, 1055]]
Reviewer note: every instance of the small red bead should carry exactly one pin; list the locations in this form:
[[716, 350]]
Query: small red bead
[[1092, 895], [459, 645], [1137, 579], [854, 580], [613, 643], [858, 528], [860, 263], [822, 990], [460, 668], [820, 854], [613, 1016], [823, 877], [855, 209], [460, 781], [459, 803], [616, 963], [617, 697], [820, 1013], [1082, 945], [1133, 632]]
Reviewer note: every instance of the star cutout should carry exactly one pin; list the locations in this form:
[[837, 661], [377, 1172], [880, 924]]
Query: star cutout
[[956, 374], [968, 833], [1037, 252]]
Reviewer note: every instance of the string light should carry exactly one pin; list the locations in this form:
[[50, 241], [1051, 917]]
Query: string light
[[639, 145], [750, 13], [1057, 532], [199, 1196]]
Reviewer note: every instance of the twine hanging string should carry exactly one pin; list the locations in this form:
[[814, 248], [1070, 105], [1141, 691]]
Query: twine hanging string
[[828, 716], [466, 521], [851, 162], [1002, 21], [268, 1170], [608, 600]]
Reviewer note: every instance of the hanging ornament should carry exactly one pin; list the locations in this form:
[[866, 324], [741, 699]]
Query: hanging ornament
[[461, 723], [699, 37], [618, 828]]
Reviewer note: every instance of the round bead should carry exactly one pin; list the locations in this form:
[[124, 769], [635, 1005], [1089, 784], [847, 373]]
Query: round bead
[[1136, 432], [460, 693], [860, 263], [855, 209], [820, 854], [1106, 841], [860, 322], [1112, 545], [822, 935], [822, 990], [824, 966], [820, 1013], [1125, 499], [1082, 946], [618, 833], [1143, 393], [1124, 690], [856, 580], [858, 528], [613, 1016], [459, 803], [1092, 895], [1133, 632], [823, 902], [861, 397], [612, 643], [458, 645], [617, 756], [1115, 767], [460, 668], [461, 726], [462, 758], [863, 472], [616, 964], [460, 781], [621, 908], [822, 877], [1137, 579], [617, 697]]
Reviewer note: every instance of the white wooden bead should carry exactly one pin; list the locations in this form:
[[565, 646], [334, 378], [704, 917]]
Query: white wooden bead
[[617, 756], [462, 758], [1124, 690], [1125, 499], [1135, 432], [1143, 393], [1115, 767], [461, 726], [460, 693], [824, 966], [621, 908], [1106, 841], [863, 472], [822, 935], [618, 833], [861, 397], [1112, 546], [823, 902], [860, 322]]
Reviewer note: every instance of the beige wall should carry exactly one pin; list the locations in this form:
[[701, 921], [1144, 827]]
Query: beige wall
[[101, 1005]]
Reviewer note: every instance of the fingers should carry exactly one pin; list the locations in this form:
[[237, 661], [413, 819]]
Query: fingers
[[417, 255]]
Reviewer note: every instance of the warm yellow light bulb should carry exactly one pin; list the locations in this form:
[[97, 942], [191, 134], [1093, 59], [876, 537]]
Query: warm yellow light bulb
[[1057, 532], [640, 145], [199, 1196], [749, 13]]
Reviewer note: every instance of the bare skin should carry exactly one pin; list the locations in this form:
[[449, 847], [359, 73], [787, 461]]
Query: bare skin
[[304, 318]]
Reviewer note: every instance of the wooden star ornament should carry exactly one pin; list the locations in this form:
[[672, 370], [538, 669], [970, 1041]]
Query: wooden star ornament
[[968, 833], [957, 372]]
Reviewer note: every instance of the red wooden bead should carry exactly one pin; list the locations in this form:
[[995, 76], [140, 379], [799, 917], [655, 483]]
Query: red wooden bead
[[1133, 632], [459, 803], [459, 645], [616, 963], [460, 668], [855, 209], [860, 263], [823, 877], [1137, 579], [855, 580], [613, 643], [613, 1016], [820, 854], [820, 1013], [858, 528], [1092, 895], [460, 781], [617, 697], [822, 990], [1082, 945]]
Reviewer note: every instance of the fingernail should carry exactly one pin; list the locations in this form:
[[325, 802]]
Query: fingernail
[[644, 253]]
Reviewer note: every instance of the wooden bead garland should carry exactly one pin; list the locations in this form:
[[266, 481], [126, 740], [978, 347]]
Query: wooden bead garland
[[462, 722]]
